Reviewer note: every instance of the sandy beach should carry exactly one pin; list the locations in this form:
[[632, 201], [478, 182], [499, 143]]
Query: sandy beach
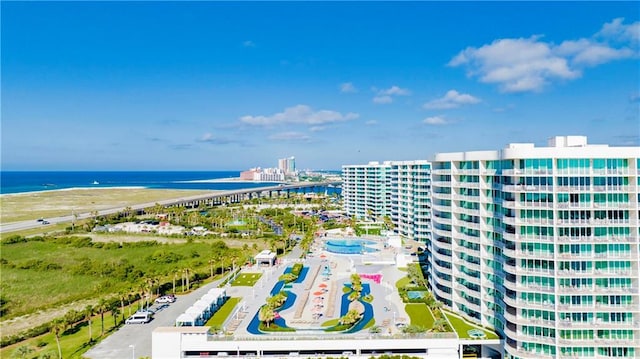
[[52, 203]]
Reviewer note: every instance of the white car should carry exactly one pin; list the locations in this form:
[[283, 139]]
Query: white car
[[166, 299], [139, 318]]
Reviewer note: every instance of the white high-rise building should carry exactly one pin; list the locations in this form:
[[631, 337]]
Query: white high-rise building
[[397, 189], [541, 243], [366, 190], [287, 165]]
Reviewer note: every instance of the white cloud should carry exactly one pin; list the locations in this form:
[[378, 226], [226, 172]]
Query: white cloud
[[451, 99], [210, 138], [382, 99], [371, 123], [299, 114], [529, 64], [617, 31], [289, 136], [588, 53], [317, 128], [386, 95], [395, 91], [348, 87], [435, 120], [248, 43]]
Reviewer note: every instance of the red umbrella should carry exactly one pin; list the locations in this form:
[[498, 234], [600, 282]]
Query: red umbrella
[[323, 256], [318, 293], [322, 285]]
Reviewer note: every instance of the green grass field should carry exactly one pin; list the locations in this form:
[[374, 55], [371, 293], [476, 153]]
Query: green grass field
[[462, 327], [246, 280], [223, 313], [420, 314], [39, 275]]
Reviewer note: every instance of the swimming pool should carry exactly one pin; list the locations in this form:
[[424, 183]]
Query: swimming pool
[[349, 246], [415, 294]]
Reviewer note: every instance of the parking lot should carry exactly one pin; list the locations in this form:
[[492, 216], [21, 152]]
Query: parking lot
[[134, 340]]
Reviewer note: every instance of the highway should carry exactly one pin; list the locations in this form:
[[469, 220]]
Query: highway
[[30, 224]]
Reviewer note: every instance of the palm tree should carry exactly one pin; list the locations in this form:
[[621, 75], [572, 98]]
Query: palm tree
[[114, 313], [102, 307], [266, 315], [440, 325], [57, 328], [88, 313]]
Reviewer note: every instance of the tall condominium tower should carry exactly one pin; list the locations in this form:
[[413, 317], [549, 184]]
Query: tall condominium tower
[[542, 243], [287, 165], [366, 190], [411, 199], [398, 189]]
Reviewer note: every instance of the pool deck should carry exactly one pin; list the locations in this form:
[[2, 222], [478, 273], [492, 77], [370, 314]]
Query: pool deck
[[323, 294]]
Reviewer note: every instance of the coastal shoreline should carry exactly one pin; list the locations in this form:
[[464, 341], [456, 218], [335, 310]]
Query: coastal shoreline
[[44, 191]]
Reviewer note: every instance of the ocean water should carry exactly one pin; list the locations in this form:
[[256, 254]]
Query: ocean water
[[20, 182]]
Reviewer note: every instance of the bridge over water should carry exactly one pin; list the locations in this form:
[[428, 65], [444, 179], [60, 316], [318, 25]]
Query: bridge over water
[[238, 195]]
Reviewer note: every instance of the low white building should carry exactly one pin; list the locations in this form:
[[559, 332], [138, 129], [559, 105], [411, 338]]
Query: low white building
[[192, 342], [266, 257]]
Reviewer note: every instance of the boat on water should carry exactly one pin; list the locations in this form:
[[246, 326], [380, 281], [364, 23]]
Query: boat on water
[[95, 182]]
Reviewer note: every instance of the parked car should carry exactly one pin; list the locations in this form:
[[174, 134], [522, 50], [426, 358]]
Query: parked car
[[45, 222], [139, 318], [166, 299]]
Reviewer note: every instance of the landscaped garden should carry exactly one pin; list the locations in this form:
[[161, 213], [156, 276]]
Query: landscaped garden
[[246, 279], [466, 330]]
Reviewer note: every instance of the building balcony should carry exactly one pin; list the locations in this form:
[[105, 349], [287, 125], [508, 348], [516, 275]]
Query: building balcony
[[534, 221], [529, 321], [441, 171], [442, 232], [442, 257], [467, 277], [526, 254], [522, 337], [441, 269], [462, 197], [596, 324], [535, 205], [471, 305], [445, 196], [522, 353], [442, 293], [598, 342], [528, 304]]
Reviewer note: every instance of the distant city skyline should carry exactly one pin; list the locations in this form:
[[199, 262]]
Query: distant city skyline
[[229, 86]]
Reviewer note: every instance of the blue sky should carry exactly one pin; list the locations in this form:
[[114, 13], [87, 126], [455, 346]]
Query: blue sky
[[228, 86]]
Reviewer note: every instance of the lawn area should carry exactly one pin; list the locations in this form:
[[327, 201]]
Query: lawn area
[[420, 314], [223, 313], [403, 282], [462, 327], [246, 280]]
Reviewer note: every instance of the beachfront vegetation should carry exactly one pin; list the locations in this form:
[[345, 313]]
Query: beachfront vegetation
[[75, 267]]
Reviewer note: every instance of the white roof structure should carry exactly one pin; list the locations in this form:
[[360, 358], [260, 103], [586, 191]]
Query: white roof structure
[[186, 319], [266, 256], [218, 292], [198, 312], [202, 305]]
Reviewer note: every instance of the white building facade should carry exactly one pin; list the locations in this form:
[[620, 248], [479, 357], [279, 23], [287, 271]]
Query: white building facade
[[541, 243], [366, 190]]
